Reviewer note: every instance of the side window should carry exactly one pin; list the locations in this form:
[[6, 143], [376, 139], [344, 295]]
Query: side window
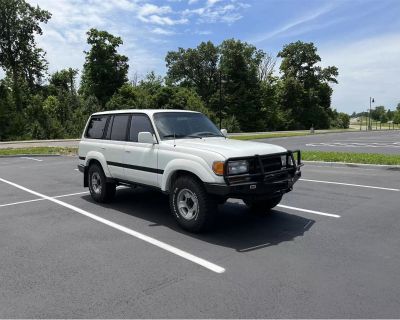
[[96, 127], [119, 127], [139, 123]]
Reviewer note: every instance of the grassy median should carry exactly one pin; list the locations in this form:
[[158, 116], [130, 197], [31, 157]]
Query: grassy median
[[39, 151], [351, 157], [268, 135]]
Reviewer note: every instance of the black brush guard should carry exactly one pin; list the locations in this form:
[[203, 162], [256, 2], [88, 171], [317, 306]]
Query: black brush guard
[[260, 182]]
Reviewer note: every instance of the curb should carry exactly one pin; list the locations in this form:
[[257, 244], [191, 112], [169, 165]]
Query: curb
[[38, 141], [30, 155], [353, 165]]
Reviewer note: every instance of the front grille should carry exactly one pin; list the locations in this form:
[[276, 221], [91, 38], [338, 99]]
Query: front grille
[[269, 164]]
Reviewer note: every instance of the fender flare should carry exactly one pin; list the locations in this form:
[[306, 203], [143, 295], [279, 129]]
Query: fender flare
[[95, 155], [200, 170]]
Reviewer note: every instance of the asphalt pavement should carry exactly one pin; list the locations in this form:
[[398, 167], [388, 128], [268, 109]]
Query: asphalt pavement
[[385, 142], [331, 250]]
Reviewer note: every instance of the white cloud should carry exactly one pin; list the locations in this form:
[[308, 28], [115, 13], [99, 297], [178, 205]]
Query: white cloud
[[156, 19], [294, 24], [366, 68], [215, 11], [163, 31], [149, 9]]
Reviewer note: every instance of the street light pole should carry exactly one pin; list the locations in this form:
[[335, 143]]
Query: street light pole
[[220, 99], [370, 107]]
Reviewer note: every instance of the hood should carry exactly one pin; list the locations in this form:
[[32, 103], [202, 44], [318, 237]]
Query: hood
[[229, 148]]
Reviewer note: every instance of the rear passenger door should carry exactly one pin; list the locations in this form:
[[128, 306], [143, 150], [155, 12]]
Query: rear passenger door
[[141, 158], [117, 133]]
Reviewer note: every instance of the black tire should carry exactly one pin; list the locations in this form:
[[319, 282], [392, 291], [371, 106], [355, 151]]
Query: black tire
[[201, 219], [102, 191], [262, 206]]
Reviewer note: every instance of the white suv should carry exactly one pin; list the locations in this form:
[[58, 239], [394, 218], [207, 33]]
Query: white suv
[[183, 154]]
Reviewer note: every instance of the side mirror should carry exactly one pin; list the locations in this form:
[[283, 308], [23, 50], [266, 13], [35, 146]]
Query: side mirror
[[145, 137], [224, 132]]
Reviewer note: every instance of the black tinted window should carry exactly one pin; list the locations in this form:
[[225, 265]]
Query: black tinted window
[[96, 127], [139, 123], [119, 126]]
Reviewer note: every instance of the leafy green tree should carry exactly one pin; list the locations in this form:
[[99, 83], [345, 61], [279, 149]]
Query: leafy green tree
[[19, 55], [105, 70], [64, 80], [312, 94], [239, 66], [195, 68], [378, 113]]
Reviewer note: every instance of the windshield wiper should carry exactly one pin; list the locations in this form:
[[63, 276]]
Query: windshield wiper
[[208, 134], [174, 136], [177, 136]]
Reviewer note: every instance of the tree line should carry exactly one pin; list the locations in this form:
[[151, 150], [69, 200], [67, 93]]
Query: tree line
[[381, 114], [233, 81]]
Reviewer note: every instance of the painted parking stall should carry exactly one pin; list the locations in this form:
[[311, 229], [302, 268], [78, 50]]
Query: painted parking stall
[[120, 259]]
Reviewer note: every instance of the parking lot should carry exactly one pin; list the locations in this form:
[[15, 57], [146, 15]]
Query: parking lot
[[385, 142], [331, 249]]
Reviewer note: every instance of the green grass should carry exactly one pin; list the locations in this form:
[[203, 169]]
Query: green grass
[[38, 150], [268, 135], [350, 157], [327, 156], [286, 134]]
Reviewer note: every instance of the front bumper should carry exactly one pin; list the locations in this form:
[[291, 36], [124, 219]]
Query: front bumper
[[261, 184]]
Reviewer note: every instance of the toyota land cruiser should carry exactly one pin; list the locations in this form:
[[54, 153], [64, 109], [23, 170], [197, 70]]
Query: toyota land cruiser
[[183, 154]]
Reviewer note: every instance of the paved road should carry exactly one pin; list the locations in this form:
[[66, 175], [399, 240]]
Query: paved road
[[340, 260], [367, 142], [387, 142]]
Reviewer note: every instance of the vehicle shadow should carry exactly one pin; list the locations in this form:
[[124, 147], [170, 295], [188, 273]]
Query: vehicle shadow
[[236, 227]]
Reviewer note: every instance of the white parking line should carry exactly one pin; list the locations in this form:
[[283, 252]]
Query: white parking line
[[309, 211], [30, 158], [299, 209], [41, 199], [350, 185], [204, 263]]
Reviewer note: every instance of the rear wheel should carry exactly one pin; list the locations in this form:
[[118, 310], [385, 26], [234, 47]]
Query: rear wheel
[[262, 206], [191, 206], [100, 189]]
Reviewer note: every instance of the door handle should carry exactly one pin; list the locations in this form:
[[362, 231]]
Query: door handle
[[127, 151], [102, 148]]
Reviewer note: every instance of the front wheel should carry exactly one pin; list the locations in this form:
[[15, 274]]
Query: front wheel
[[263, 205], [191, 206]]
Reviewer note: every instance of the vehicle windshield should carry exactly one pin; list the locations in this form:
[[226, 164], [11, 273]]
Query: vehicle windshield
[[181, 125]]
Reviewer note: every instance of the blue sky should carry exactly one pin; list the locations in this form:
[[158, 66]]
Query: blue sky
[[360, 37]]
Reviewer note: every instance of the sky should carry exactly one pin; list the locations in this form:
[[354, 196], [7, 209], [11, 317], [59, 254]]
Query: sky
[[360, 37]]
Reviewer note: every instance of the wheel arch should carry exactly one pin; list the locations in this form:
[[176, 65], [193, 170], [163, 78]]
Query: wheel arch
[[95, 158], [181, 167]]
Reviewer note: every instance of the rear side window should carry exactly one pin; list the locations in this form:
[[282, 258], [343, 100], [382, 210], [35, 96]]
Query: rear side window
[[139, 123], [96, 127], [119, 127]]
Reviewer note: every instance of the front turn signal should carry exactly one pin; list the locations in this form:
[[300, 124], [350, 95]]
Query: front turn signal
[[218, 167]]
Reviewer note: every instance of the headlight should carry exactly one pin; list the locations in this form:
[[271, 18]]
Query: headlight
[[284, 162], [237, 167]]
